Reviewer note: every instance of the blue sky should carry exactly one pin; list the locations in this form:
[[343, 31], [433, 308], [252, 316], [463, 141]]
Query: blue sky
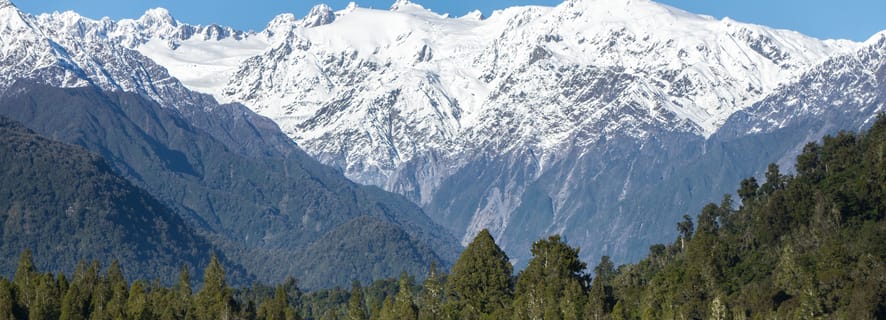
[[849, 19]]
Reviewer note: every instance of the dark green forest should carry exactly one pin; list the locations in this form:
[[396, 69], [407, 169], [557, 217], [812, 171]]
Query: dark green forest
[[804, 246], [259, 202], [67, 204]]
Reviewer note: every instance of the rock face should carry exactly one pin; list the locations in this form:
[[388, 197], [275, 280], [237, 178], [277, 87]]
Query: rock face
[[601, 120]]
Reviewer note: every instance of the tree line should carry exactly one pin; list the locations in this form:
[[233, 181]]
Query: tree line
[[804, 246]]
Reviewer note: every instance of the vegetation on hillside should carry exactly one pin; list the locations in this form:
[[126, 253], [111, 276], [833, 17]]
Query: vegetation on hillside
[[261, 211], [804, 246], [67, 204]]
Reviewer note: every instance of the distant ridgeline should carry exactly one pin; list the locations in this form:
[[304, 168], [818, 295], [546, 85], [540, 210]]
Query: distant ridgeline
[[805, 246]]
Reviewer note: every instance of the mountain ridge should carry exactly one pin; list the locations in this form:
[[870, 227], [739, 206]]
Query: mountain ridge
[[535, 120], [67, 205], [172, 141], [261, 211]]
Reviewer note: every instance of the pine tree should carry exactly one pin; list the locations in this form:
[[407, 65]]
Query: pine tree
[[249, 310], [116, 306], [46, 304], [356, 307], [387, 310], [277, 308], [63, 284], [748, 190], [600, 296], [23, 282], [774, 180], [573, 301], [87, 279], [686, 228], [165, 305], [73, 303], [215, 300], [553, 272], [7, 301], [432, 295], [481, 280], [137, 306], [404, 305], [181, 303]]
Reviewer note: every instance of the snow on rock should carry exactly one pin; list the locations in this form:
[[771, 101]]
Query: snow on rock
[[374, 89], [404, 98], [320, 14]]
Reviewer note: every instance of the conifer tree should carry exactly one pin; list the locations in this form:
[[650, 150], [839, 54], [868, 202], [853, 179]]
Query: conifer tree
[[554, 272], [73, 303], [165, 307], [573, 301], [432, 295], [87, 278], [481, 279], [102, 295], [774, 180], [404, 304], [356, 307], [7, 301], [46, 304], [387, 310], [183, 287], [137, 306], [277, 308], [181, 303], [23, 282], [748, 190], [116, 306], [215, 300], [686, 228], [601, 298], [249, 311], [63, 284]]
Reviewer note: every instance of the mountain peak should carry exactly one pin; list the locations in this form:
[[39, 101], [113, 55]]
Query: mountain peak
[[13, 23], [877, 38], [630, 9], [474, 15], [320, 14], [157, 16], [282, 23], [402, 4]]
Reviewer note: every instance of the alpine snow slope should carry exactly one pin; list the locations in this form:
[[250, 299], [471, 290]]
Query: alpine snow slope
[[591, 119], [231, 174], [604, 121]]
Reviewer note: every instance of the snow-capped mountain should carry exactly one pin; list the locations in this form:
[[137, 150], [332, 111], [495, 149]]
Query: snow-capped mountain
[[852, 84], [230, 173], [409, 99], [533, 120], [372, 90]]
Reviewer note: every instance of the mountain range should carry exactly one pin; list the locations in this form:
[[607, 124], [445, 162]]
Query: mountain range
[[229, 173], [603, 121]]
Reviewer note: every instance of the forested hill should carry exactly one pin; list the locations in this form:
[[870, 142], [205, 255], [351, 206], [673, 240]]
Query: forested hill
[[802, 246], [264, 204], [66, 205]]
